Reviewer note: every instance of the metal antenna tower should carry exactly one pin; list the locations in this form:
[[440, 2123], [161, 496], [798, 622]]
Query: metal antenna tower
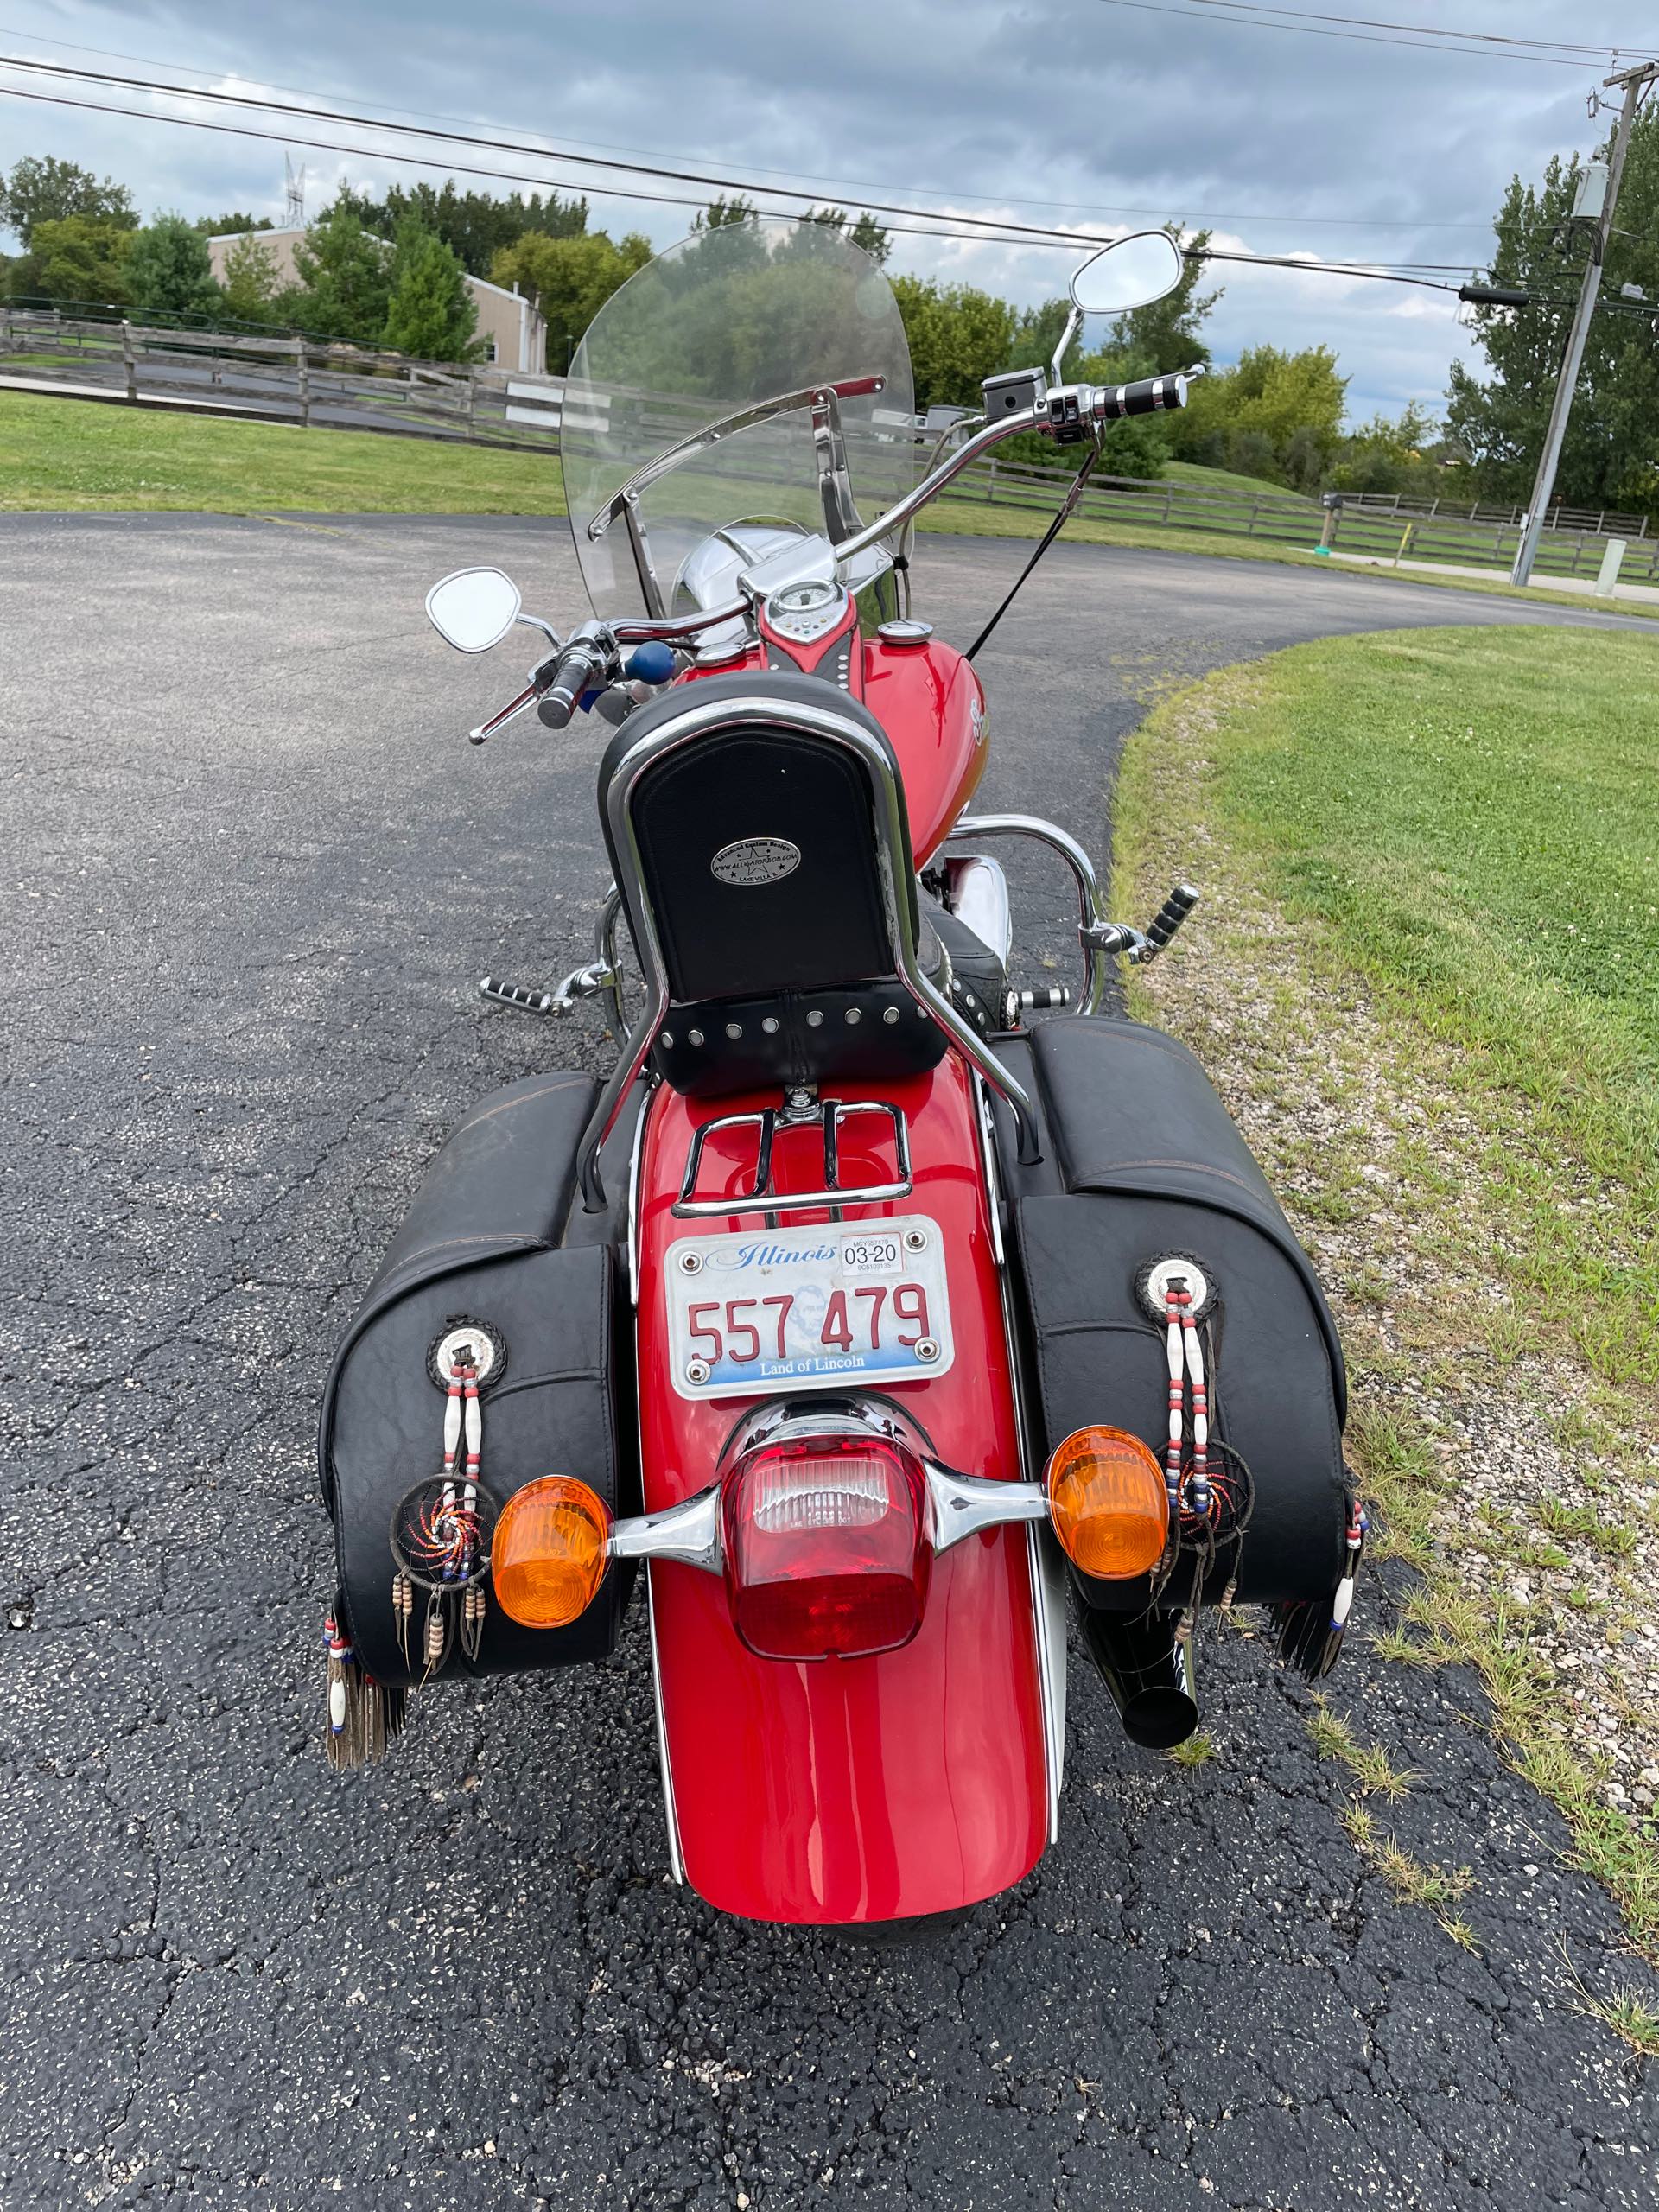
[[293, 179]]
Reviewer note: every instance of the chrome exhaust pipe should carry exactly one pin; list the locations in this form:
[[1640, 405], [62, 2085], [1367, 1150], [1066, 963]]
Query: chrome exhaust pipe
[[1149, 1671]]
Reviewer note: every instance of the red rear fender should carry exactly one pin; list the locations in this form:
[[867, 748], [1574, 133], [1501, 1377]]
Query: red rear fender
[[875, 1788]]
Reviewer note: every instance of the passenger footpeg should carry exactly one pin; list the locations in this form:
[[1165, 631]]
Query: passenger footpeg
[[519, 997], [1016, 1002], [581, 983], [1168, 918]]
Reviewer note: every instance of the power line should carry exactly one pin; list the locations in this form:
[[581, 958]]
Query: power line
[[600, 148], [1424, 30], [1070, 241], [999, 229], [1365, 38]]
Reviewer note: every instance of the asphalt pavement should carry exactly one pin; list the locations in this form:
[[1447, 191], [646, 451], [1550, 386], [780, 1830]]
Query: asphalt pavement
[[252, 870]]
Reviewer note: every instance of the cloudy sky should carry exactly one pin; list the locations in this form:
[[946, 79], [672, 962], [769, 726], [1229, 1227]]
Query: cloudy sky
[[1088, 114]]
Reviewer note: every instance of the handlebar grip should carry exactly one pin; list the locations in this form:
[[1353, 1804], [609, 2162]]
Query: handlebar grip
[[558, 702], [1151, 396], [1170, 916]]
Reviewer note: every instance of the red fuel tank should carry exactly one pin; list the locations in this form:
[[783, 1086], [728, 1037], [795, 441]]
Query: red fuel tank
[[930, 702]]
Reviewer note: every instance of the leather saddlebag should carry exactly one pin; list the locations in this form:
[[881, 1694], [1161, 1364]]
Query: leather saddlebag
[[483, 1244], [1141, 1161]]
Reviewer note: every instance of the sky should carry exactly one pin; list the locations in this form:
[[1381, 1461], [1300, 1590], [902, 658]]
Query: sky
[[1091, 115]]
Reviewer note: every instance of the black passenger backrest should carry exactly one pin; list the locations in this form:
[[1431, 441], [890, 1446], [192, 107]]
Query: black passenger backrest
[[717, 819], [764, 847]]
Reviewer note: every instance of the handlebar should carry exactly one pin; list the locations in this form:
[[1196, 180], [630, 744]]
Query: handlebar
[[1069, 410]]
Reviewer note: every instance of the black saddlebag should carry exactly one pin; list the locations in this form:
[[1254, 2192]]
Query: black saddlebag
[[1140, 1159], [486, 1241]]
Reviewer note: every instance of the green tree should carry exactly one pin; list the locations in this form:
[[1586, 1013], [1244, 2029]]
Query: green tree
[[958, 336], [431, 313], [1274, 415], [170, 273], [866, 233], [724, 214], [251, 281], [1388, 454], [570, 279], [50, 191], [475, 224], [75, 259], [227, 225], [1612, 438], [344, 275]]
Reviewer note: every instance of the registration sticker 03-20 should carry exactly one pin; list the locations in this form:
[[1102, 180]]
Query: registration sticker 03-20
[[796, 1309]]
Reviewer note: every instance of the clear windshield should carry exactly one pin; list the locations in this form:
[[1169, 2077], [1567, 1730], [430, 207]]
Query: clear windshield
[[715, 327]]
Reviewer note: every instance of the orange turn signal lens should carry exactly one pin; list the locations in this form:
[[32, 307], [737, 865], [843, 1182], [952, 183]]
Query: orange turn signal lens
[[550, 1552], [1108, 1502]]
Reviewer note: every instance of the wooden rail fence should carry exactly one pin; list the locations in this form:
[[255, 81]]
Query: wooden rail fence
[[288, 378]]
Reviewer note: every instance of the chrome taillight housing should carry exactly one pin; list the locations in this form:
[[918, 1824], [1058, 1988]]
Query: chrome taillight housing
[[826, 1544]]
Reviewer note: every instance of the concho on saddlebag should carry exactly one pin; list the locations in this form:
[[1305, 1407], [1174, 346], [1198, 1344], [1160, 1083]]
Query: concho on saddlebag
[[1165, 1294], [482, 1359]]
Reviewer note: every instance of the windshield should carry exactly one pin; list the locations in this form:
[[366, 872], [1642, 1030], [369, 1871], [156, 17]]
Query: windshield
[[719, 326]]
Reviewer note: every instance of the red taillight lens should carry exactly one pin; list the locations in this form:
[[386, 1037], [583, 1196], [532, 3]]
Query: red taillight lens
[[826, 1545]]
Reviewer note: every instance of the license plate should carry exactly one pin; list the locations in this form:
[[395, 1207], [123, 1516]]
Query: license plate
[[771, 1310]]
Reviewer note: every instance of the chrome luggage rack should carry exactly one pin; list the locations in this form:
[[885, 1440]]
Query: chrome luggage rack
[[829, 1113]]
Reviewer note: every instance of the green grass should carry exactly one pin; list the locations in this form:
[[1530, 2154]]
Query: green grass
[[1227, 480], [72, 456], [1473, 817]]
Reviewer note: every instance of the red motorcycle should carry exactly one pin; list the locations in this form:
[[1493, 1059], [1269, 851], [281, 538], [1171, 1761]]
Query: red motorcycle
[[860, 1319]]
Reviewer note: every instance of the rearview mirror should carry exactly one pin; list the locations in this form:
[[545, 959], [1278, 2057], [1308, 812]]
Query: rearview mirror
[[473, 609], [1131, 273]]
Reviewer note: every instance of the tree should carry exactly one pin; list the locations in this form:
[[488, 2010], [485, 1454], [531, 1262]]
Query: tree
[[723, 214], [227, 225], [1612, 437], [1388, 454], [1169, 332], [1274, 415], [345, 276], [75, 259], [958, 336], [169, 272], [570, 279], [866, 233], [50, 191], [431, 313], [473, 224], [251, 281]]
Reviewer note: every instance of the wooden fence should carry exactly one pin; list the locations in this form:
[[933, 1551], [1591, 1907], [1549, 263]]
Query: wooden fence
[[1280, 519], [285, 377], [296, 379]]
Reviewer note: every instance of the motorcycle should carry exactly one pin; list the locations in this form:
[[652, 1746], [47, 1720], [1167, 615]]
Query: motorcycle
[[869, 1324]]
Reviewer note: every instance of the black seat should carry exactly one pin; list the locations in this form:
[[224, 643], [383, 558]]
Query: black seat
[[756, 852]]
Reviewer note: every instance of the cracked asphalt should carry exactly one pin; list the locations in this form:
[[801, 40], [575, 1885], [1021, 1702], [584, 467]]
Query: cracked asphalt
[[251, 873]]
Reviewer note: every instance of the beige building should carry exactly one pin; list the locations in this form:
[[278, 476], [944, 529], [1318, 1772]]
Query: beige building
[[511, 327]]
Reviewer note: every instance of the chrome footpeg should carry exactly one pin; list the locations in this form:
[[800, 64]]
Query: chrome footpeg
[[519, 997], [1041, 1000], [581, 983]]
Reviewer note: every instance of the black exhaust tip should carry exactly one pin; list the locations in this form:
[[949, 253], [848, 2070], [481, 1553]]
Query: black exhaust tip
[[1149, 1672]]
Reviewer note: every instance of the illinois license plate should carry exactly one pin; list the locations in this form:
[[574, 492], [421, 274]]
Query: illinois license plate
[[805, 1309]]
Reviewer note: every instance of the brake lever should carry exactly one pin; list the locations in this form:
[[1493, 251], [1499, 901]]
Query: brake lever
[[540, 677], [527, 697]]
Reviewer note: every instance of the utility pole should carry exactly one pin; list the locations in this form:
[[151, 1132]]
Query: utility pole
[[1634, 81]]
